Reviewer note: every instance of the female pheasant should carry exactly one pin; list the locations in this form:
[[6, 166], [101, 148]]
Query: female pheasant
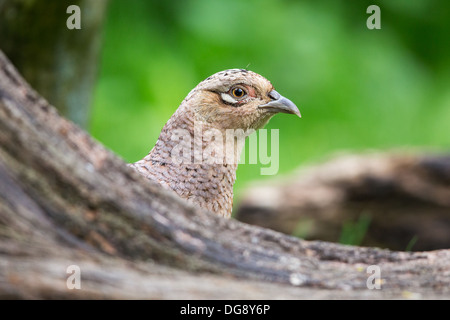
[[193, 155]]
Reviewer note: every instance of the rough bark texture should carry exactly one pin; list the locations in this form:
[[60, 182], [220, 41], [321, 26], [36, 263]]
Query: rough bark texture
[[395, 201], [59, 63], [66, 200]]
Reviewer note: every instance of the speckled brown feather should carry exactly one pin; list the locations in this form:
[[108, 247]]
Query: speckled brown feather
[[208, 185]]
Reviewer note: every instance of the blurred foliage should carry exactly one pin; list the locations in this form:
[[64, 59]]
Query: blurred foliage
[[356, 88]]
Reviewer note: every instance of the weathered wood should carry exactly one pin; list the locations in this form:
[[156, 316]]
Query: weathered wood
[[403, 197], [66, 200]]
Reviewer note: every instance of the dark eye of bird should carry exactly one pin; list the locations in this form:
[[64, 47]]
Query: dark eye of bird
[[238, 92]]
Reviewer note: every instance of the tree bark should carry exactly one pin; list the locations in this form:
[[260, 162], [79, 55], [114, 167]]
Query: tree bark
[[59, 63], [66, 200]]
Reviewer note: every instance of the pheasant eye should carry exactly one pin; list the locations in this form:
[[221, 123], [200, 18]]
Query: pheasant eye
[[238, 92]]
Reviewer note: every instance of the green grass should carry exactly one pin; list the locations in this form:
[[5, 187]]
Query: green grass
[[353, 232], [411, 243]]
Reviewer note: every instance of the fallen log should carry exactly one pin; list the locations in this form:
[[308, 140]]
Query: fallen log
[[398, 201]]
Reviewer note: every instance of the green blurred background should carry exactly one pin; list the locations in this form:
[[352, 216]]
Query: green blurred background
[[357, 89]]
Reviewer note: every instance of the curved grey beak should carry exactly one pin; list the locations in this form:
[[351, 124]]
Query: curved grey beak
[[280, 104]]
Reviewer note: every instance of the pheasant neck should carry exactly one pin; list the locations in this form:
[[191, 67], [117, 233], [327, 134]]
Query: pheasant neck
[[197, 161]]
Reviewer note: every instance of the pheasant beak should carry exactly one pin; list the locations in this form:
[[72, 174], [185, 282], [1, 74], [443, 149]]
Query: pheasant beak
[[280, 104]]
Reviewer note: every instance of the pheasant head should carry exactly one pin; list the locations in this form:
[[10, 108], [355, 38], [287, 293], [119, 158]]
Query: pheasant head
[[234, 99], [237, 99]]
